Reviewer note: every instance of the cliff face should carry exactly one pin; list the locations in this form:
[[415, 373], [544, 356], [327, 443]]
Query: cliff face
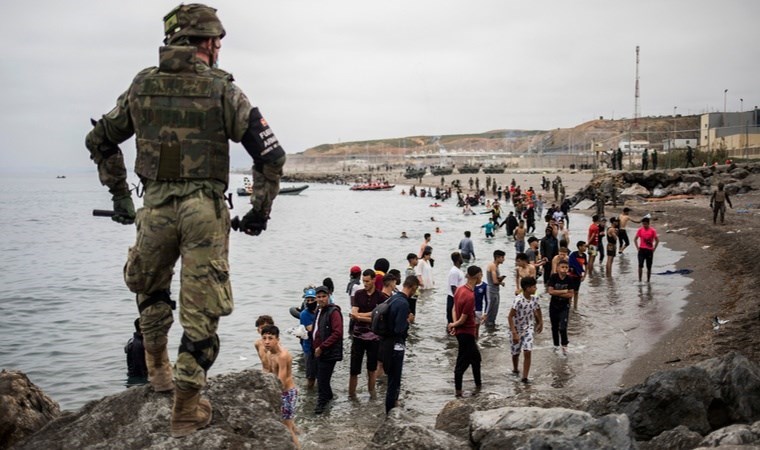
[[605, 132]]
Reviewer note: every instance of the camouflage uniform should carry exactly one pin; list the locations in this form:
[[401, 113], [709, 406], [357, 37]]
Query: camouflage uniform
[[183, 114]]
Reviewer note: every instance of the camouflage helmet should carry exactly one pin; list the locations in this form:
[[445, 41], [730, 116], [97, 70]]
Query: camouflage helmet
[[194, 19]]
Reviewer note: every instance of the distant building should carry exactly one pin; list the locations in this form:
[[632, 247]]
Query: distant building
[[736, 132], [633, 146], [673, 144]]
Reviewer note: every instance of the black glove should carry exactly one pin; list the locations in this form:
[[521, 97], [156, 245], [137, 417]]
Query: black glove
[[254, 222], [124, 209]]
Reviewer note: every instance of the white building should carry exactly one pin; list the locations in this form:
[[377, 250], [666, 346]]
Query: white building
[[633, 146]]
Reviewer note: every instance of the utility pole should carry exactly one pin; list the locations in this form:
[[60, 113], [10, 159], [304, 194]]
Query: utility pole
[[636, 111]]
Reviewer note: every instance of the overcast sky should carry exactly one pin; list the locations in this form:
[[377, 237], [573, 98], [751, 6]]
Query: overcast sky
[[324, 71]]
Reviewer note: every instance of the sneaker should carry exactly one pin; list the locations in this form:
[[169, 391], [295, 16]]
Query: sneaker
[[564, 351], [319, 409], [525, 381], [516, 373], [556, 349]]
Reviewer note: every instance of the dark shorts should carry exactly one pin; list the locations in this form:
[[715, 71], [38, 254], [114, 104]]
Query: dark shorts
[[645, 256], [623, 237], [358, 348], [611, 249]]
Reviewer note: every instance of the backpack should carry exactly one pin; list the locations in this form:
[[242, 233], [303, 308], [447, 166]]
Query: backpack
[[381, 325]]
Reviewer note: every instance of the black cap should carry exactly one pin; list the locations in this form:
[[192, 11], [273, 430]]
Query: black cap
[[322, 289]]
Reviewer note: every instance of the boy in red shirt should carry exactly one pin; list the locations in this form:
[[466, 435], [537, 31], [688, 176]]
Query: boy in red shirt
[[646, 242], [465, 329], [593, 241]]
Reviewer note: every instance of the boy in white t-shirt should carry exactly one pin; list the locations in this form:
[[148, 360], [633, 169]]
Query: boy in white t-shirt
[[525, 313], [456, 279]]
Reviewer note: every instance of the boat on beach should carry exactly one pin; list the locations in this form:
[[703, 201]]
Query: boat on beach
[[247, 189], [373, 187]]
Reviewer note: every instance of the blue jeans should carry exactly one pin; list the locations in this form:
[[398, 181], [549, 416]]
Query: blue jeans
[[493, 306], [393, 364]]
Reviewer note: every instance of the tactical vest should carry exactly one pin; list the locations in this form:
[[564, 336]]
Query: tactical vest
[[178, 118], [720, 196]]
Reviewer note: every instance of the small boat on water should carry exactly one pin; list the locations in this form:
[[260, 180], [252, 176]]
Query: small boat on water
[[247, 189], [373, 187]]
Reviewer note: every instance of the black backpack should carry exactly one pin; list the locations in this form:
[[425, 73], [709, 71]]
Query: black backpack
[[381, 325]]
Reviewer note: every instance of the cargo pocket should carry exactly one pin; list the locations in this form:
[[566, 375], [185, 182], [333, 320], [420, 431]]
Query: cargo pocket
[[222, 305], [134, 274]]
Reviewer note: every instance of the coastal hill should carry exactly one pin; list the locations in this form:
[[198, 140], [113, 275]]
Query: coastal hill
[[605, 132]]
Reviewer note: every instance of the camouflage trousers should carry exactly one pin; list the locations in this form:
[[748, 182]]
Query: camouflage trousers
[[196, 228]]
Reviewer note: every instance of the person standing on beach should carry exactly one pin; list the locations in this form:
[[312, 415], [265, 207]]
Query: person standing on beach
[[465, 329], [520, 237], [612, 240], [561, 291], [424, 271], [495, 281], [593, 241], [307, 318], [327, 338], [184, 112], [524, 317], [577, 269], [466, 248], [456, 279], [622, 233], [646, 242], [394, 344], [523, 269], [281, 364], [548, 249], [718, 201], [364, 340]]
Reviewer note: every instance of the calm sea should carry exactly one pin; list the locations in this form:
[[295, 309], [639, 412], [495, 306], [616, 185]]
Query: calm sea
[[66, 315]]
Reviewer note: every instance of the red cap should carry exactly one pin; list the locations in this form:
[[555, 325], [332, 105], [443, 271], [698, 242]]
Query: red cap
[[356, 269]]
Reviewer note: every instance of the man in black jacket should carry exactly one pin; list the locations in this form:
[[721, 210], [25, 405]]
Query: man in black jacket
[[327, 345], [394, 345]]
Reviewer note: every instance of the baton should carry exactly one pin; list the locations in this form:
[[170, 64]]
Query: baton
[[103, 213]]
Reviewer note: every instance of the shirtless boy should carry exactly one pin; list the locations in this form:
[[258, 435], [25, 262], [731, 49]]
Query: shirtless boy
[[523, 269], [261, 323], [280, 363], [622, 233]]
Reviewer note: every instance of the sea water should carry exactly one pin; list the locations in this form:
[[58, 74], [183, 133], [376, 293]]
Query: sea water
[[66, 315]]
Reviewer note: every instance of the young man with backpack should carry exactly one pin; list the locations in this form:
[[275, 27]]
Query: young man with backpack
[[393, 329]]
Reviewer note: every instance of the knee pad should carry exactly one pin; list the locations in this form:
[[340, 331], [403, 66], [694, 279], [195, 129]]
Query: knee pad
[[204, 351]]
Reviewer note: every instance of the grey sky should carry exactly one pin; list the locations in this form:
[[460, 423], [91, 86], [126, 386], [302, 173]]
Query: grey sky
[[345, 70]]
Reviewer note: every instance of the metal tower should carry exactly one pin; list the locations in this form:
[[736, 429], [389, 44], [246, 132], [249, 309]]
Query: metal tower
[[636, 111]]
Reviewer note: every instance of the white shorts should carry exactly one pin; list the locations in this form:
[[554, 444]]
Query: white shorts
[[525, 344]]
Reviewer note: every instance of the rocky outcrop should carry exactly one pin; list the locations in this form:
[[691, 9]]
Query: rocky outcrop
[[454, 418], [246, 412], [399, 430], [637, 184], [679, 438], [24, 408], [703, 397], [733, 435], [531, 427]]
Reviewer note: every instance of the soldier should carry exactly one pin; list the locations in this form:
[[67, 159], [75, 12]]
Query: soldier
[[645, 160], [619, 159], [184, 113], [654, 159], [689, 156]]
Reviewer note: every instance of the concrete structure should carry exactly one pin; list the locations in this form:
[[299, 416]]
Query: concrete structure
[[633, 146], [669, 144], [736, 132]]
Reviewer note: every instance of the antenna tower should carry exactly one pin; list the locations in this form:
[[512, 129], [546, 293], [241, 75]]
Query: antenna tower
[[636, 111]]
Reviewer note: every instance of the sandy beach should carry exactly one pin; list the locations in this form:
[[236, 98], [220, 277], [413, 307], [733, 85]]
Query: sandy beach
[[723, 260]]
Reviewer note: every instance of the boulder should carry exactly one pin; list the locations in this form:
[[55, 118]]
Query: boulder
[[733, 188], [635, 190], [740, 434], [246, 414], [653, 178], [531, 427], [703, 397], [454, 418], [25, 408], [660, 192], [399, 430], [694, 189], [739, 173], [679, 438], [692, 178]]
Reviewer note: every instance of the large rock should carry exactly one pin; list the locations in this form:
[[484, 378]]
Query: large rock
[[692, 178], [635, 190], [703, 397], [24, 408], [454, 418], [539, 428], [740, 434], [246, 414], [679, 438], [739, 173], [399, 430]]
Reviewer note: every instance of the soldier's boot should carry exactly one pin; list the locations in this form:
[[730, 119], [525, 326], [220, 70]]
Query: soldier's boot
[[159, 368], [190, 412]]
